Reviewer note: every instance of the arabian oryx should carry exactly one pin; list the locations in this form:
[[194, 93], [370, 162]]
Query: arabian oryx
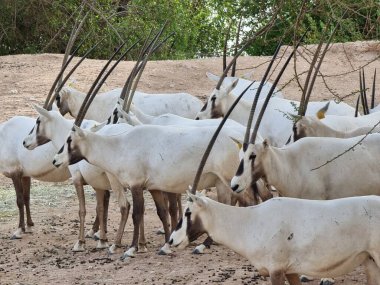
[[242, 83], [317, 238], [52, 126], [277, 111], [148, 158], [182, 104]]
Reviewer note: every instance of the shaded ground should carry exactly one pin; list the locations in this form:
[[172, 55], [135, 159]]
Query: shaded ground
[[45, 256]]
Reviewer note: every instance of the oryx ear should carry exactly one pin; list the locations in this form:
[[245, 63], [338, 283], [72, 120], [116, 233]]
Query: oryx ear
[[197, 200], [212, 77], [120, 101], [233, 84], [97, 127], [78, 131], [42, 111], [238, 142], [266, 143], [321, 113]]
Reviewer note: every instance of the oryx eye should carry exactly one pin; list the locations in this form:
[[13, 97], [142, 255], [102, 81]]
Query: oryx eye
[[213, 98], [252, 156]]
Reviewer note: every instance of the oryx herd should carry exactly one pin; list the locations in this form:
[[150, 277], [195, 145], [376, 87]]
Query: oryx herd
[[246, 140]]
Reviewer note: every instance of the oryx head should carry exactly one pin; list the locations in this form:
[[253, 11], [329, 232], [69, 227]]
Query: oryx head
[[73, 150], [190, 226], [251, 166], [63, 98], [40, 133], [217, 103]]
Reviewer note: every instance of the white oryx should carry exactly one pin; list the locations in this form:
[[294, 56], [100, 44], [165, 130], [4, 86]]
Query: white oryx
[[242, 84], [154, 158], [309, 126], [292, 169], [279, 110], [183, 104], [317, 238], [52, 126]]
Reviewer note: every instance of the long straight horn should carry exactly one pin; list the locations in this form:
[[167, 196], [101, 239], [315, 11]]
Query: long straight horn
[[128, 82], [60, 85], [373, 90], [61, 72], [233, 71], [247, 43], [311, 85], [263, 108], [212, 142], [74, 34], [258, 92], [142, 67], [104, 78], [357, 105], [226, 38], [362, 93], [81, 114], [365, 92]]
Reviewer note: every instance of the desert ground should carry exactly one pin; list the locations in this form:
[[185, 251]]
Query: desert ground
[[45, 256]]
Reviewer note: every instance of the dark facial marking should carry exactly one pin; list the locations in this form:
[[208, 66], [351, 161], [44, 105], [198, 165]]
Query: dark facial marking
[[204, 107], [58, 100], [115, 116], [194, 228], [41, 140], [215, 112], [179, 225], [61, 150], [74, 153], [240, 169]]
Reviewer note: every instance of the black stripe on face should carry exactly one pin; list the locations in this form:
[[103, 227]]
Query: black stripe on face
[[188, 219], [204, 107], [240, 169], [61, 150], [179, 225], [115, 116], [58, 100]]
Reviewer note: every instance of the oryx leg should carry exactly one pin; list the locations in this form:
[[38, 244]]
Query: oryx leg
[[372, 269], [179, 205], [102, 242], [277, 278], [94, 232], [124, 205], [137, 213], [293, 279], [142, 240], [173, 210], [17, 183], [162, 212], [25, 181], [78, 184]]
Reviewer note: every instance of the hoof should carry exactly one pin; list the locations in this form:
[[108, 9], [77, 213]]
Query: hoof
[[102, 244], [96, 236], [143, 248], [165, 250], [200, 249], [130, 253], [17, 234], [29, 229], [304, 278], [327, 281], [160, 232], [79, 246], [112, 249], [90, 234]]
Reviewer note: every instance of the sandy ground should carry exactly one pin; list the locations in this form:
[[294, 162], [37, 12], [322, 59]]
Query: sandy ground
[[45, 257]]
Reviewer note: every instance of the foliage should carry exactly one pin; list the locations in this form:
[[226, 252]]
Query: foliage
[[200, 26]]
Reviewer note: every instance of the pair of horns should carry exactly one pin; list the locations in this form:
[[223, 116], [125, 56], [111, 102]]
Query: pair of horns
[[310, 79], [59, 81], [363, 93], [247, 43], [131, 83], [99, 81]]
